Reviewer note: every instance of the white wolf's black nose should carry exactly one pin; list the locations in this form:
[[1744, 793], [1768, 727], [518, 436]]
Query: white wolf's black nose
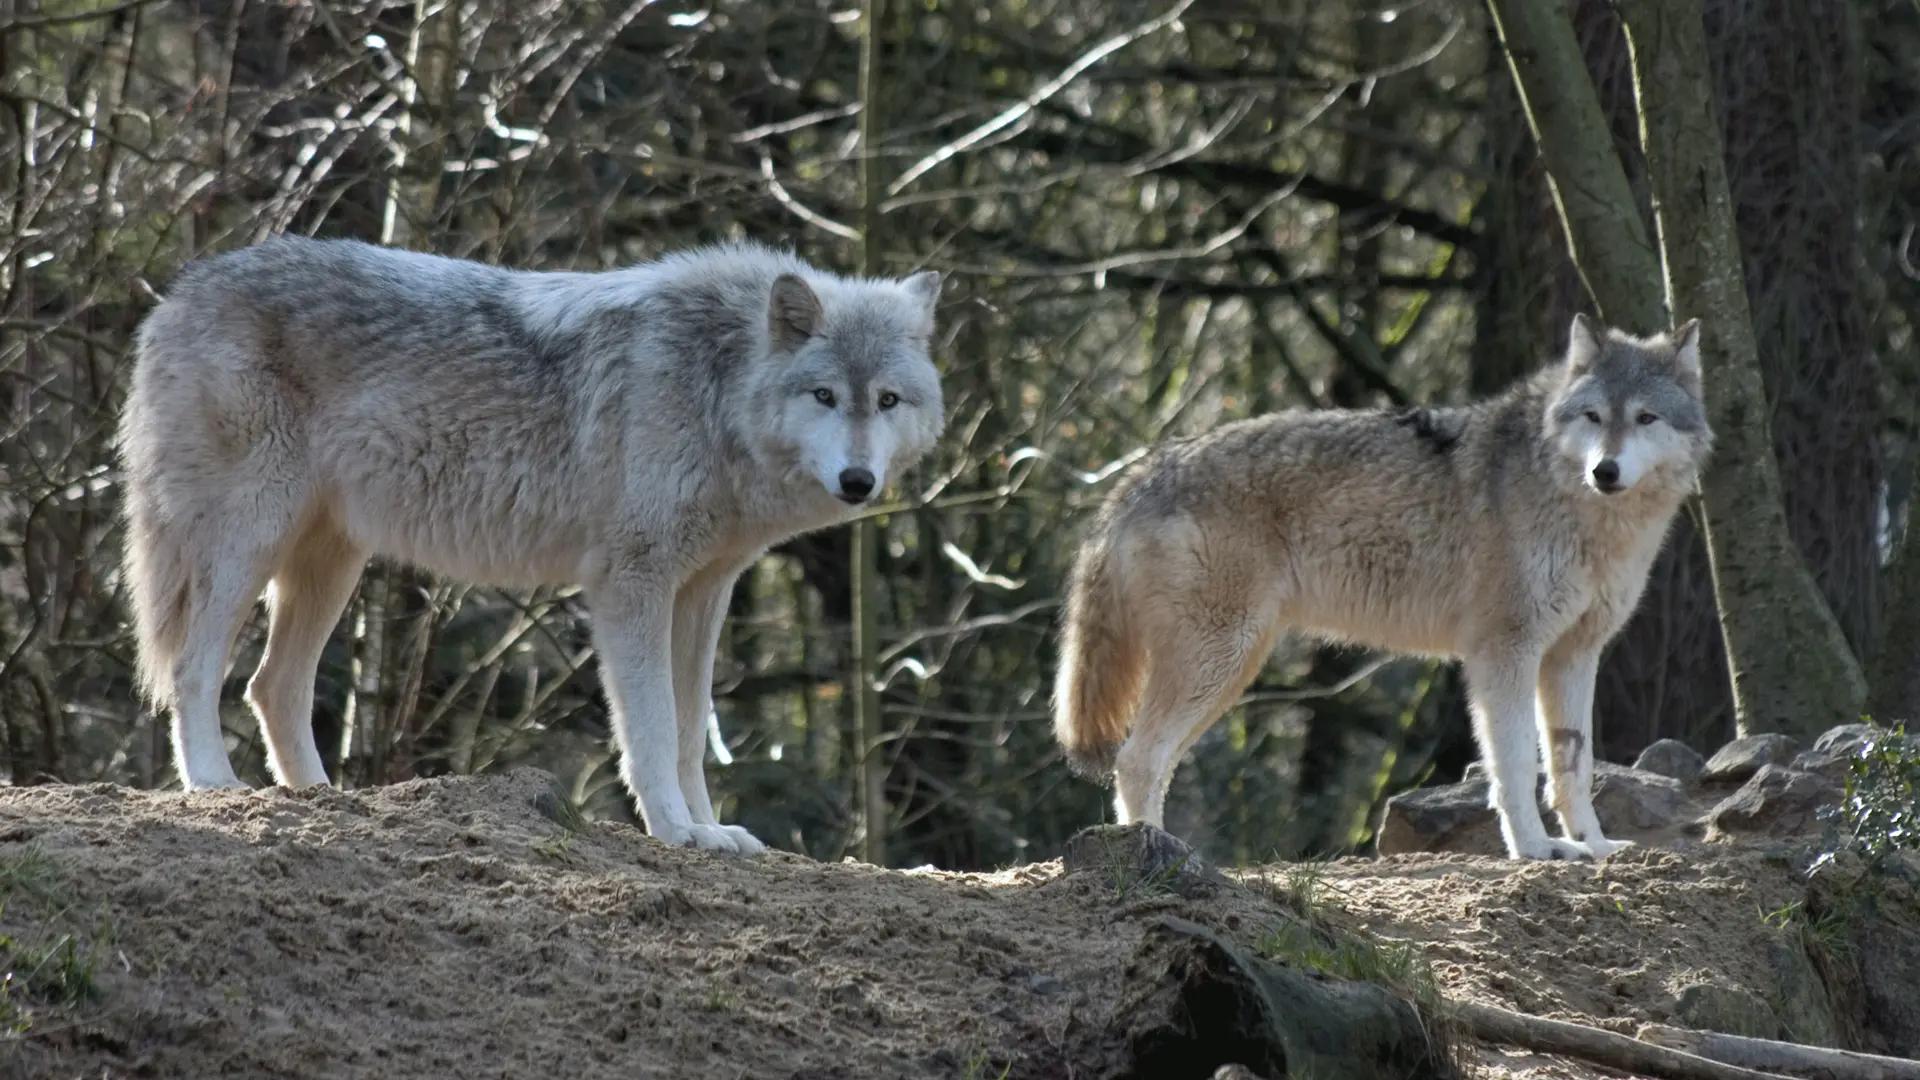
[[855, 485], [1606, 475]]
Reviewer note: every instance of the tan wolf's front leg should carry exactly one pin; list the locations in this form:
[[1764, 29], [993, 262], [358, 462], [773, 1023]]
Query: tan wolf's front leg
[[1565, 700], [1501, 689], [698, 614]]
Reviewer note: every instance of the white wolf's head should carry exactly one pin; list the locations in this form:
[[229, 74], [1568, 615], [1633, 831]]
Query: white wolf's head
[[849, 390], [1629, 413]]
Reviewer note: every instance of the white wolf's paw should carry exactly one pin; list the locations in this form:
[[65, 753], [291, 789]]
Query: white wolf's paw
[[1552, 848], [726, 839], [1603, 847]]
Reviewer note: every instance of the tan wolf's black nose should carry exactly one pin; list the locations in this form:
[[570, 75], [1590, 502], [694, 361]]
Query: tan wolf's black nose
[[1606, 475], [855, 485]]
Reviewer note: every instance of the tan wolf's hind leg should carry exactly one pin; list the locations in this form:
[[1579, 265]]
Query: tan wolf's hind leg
[[1195, 673], [310, 588], [231, 568]]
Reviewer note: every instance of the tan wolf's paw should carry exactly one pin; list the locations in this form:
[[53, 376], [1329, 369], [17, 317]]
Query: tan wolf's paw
[[1551, 848], [1601, 847], [726, 839], [218, 783], [745, 842]]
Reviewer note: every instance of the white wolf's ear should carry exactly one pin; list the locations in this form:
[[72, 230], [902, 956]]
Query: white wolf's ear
[[1686, 350], [925, 287], [1583, 342], [793, 312]]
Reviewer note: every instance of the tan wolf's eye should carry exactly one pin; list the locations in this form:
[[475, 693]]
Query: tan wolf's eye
[[1593, 416], [1645, 418], [824, 396], [889, 399]]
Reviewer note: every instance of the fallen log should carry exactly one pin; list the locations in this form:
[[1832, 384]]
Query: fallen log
[[1814, 1062], [1491, 1024]]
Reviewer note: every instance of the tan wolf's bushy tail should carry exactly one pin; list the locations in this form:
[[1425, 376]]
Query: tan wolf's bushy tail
[[1102, 661], [159, 577]]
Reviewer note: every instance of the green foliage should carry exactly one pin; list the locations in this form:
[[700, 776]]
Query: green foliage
[[1311, 941], [1821, 931], [46, 966], [979, 1066], [1881, 810], [1400, 966]]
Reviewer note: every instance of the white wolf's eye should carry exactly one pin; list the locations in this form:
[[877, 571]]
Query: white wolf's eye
[[824, 396], [889, 399], [1645, 418], [1593, 416]]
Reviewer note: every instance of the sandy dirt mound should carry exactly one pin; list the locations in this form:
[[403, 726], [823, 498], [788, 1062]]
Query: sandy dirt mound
[[457, 928]]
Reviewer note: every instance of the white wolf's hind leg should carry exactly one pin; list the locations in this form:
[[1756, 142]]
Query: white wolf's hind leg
[[309, 590], [228, 579], [1566, 730], [698, 614], [1502, 691]]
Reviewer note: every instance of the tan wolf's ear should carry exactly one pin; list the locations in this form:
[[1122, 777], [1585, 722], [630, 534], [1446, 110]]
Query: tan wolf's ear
[[1584, 339], [1686, 349], [925, 287], [793, 312]]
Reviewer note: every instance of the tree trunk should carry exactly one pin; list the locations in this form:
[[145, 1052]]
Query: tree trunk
[[1605, 235], [1791, 666], [1896, 674], [869, 751]]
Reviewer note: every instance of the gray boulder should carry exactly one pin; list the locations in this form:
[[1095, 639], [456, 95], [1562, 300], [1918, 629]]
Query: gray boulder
[[1845, 736], [1741, 758], [1456, 817], [1671, 758], [1777, 801], [1729, 1010], [1139, 860]]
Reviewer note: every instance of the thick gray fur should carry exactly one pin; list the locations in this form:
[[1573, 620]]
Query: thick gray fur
[[302, 405]]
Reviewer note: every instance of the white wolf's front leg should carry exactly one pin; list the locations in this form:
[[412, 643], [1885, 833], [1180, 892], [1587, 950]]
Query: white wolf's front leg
[[632, 629], [698, 614], [1502, 692], [1566, 728]]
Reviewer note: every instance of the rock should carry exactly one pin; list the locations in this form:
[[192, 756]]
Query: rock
[[1878, 911], [1726, 1009], [1778, 801], [1450, 817], [1741, 758], [1845, 736], [1834, 751], [1631, 800], [1455, 817], [1802, 1002], [1235, 1072], [1832, 763], [1671, 758], [1139, 859]]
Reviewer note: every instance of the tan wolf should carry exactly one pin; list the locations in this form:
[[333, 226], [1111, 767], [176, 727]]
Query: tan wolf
[[1514, 534], [302, 405]]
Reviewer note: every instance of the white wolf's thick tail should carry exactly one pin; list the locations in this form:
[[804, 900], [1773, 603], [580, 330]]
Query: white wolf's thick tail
[[1102, 660]]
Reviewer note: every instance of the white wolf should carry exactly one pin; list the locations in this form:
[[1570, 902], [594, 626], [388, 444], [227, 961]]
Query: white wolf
[[1514, 534], [301, 405]]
